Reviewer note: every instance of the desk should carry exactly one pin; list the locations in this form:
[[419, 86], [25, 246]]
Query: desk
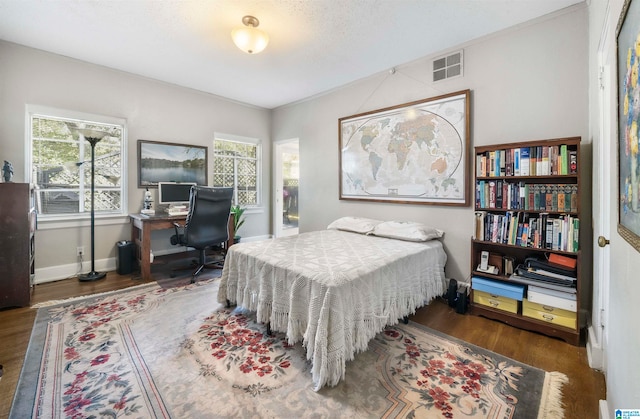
[[141, 228]]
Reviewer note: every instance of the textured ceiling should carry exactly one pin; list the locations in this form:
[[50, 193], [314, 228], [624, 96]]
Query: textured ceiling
[[315, 45]]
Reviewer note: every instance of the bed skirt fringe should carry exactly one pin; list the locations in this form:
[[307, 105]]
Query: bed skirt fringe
[[336, 313]]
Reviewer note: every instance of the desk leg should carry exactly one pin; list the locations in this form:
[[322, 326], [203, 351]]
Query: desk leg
[[141, 236], [145, 252]]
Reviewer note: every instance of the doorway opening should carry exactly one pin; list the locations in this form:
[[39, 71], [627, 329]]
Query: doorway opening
[[287, 179]]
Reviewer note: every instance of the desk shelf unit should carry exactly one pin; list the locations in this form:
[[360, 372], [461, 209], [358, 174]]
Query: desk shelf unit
[[546, 190]]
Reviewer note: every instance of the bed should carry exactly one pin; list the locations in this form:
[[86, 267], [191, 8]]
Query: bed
[[335, 289]]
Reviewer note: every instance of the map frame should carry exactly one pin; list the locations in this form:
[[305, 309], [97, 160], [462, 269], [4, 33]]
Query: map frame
[[457, 132]]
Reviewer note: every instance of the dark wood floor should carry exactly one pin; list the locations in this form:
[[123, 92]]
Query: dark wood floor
[[580, 395]]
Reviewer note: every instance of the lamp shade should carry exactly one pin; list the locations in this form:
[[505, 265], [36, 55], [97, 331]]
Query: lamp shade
[[248, 38]]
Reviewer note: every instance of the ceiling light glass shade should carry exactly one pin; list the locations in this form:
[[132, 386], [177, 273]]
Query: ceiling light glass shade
[[249, 39]]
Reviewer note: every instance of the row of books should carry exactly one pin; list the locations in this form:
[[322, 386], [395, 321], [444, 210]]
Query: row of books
[[519, 228], [526, 196], [551, 160]]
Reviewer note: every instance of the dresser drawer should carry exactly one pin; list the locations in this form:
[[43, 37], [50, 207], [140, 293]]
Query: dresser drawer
[[495, 301], [549, 314]]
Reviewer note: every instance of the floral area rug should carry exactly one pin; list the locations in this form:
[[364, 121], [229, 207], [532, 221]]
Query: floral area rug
[[176, 353]]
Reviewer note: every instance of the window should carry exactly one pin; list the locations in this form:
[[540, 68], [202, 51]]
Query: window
[[236, 163], [60, 164]]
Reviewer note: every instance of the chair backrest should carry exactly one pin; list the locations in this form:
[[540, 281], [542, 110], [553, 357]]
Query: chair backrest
[[208, 219]]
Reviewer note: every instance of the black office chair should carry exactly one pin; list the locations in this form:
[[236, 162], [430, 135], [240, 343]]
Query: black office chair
[[206, 226]]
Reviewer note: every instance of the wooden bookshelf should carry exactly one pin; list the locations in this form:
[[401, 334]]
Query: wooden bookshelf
[[527, 205]]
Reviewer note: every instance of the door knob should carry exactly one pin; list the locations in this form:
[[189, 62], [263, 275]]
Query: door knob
[[602, 241]]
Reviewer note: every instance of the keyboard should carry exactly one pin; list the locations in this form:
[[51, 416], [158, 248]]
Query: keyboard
[[177, 212]]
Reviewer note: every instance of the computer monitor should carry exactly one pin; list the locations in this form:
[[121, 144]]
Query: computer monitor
[[174, 193]]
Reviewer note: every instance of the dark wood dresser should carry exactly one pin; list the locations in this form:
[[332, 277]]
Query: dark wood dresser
[[17, 243]]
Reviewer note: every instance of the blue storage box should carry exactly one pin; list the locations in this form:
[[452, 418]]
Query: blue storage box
[[514, 291]]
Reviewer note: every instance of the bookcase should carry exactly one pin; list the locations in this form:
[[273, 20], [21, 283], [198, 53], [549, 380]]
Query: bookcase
[[527, 230], [17, 246]]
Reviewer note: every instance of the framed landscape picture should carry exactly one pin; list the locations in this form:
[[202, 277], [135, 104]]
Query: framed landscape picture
[[415, 153], [170, 162], [628, 42]]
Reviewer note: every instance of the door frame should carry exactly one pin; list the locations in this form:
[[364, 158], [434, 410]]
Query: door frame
[[279, 147], [603, 196]]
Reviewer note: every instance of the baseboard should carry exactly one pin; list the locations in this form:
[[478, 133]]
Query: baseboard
[[71, 270], [595, 353], [604, 409]]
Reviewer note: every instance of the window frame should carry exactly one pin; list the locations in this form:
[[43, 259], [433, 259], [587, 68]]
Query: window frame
[[77, 219], [243, 140]]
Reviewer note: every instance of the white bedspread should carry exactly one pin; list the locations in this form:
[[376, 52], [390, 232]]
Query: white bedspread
[[332, 290]]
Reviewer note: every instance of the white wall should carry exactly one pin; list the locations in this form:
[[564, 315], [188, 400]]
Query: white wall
[[526, 83], [153, 110]]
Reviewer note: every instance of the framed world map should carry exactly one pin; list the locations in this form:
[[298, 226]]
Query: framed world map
[[415, 153]]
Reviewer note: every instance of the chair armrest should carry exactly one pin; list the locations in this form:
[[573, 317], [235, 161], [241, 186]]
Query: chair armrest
[[176, 238], [178, 227]]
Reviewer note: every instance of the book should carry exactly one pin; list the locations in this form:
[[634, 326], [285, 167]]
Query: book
[[564, 160], [492, 194], [524, 161], [554, 153], [573, 162], [574, 198], [513, 226], [536, 197], [545, 163], [516, 162], [479, 171], [492, 163], [548, 244], [556, 235], [548, 206], [479, 225], [562, 261]]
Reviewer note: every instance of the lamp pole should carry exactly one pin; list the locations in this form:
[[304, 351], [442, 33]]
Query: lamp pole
[[93, 137]]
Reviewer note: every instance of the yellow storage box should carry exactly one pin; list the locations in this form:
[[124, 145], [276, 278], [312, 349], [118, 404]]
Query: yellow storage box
[[495, 301], [549, 314]]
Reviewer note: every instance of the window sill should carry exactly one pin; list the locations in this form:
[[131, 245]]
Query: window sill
[[82, 221]]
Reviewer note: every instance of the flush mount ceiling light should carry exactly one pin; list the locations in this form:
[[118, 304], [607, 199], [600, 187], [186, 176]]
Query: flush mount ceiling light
[[250, 39]]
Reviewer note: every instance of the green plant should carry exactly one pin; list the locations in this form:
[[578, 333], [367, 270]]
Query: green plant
[[238, 217]]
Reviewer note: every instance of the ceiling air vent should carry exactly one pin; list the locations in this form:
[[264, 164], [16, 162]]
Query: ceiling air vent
[[448, 66]]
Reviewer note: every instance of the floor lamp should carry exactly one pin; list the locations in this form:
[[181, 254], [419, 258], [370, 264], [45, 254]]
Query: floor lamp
[[93, 137]]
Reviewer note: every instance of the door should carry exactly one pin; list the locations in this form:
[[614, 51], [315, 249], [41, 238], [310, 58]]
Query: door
[[603, 196], [286, 178]]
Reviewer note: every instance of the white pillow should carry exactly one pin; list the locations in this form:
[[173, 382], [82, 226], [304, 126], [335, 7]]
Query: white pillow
[[405, 230], [354, 224]]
